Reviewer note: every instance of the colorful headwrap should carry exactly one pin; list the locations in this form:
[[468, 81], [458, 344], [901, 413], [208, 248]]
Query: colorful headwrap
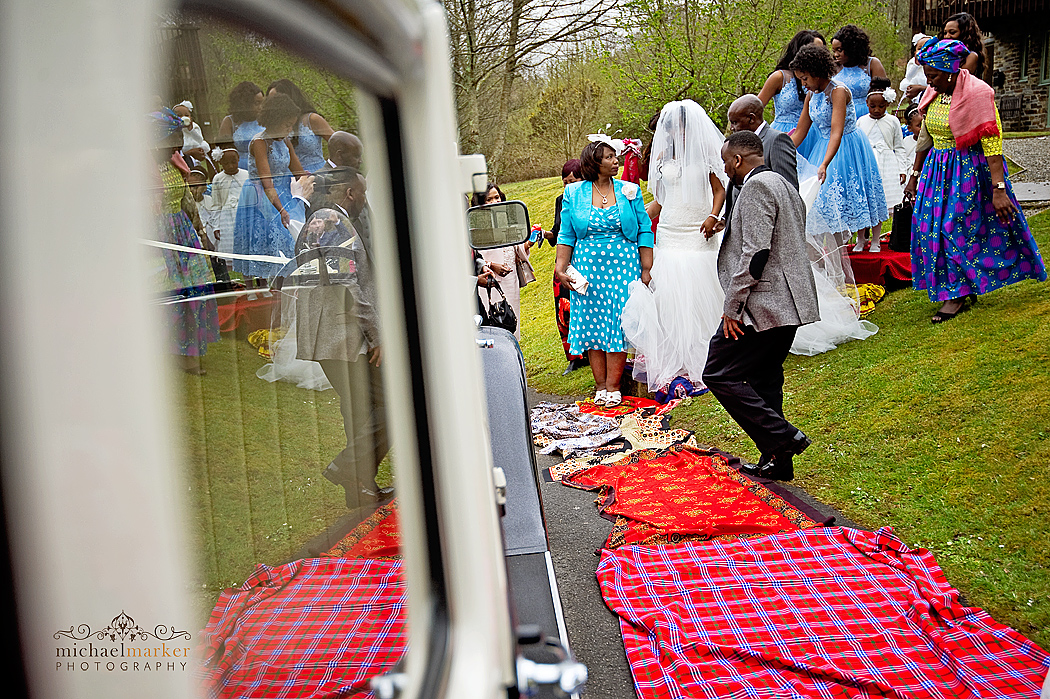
[[163, 123], [945, 55]]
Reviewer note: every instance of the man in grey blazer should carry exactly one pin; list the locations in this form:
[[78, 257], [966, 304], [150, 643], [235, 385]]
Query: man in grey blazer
[[745, 114], [770, 292]]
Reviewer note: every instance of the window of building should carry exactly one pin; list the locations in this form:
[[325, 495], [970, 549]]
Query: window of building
[[1023, 69], [1044, 63]]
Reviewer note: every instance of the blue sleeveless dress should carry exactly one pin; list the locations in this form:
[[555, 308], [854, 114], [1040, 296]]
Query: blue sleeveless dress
[[309, 148], [788, 108], [852, 196], [858, 80], [242, 136], [258, 230]]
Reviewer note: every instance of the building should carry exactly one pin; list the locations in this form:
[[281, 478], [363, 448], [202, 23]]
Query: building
[[1017, 52]]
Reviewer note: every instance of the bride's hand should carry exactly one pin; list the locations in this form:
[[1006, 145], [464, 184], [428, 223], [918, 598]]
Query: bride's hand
[[709, 226], [646, 277]]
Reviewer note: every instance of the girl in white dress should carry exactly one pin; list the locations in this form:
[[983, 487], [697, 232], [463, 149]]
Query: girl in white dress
[[884, 133], [670, 322]]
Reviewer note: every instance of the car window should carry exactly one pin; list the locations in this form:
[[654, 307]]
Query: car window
[[261, 249]]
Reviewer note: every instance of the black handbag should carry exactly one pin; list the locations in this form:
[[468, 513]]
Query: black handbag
[[499, 313], [900, 234]]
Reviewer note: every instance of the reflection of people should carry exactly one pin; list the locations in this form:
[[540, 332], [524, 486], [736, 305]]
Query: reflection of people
[[764, 250], [510, 264], [851, 48], [193, 143], [267, 207], [608, 238], [241, 125], [195, 323], [670, 321], [570, 172], [310, 129], [969, 235], [345, 150], [226, 189]]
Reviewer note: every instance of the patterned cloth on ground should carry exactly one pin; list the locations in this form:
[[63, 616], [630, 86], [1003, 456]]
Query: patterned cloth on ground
[[562, 427], [678, 389], [683, 490], [376, 537], [628, 405], [824, 612], [652, 432], [311, 628], [866, 296]]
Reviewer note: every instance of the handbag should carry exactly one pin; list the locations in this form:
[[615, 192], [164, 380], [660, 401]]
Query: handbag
[[526, 274], [500, 314], [900, 234]]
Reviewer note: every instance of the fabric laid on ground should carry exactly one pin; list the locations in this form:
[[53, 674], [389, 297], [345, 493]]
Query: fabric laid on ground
[[318, 628], [652, 432], [684, 491], [561, 427], [376, 537], [628, 404], [826, 612]]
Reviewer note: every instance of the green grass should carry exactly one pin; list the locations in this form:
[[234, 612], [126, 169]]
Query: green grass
[[1024, 134], [942, 432], [254, 452]]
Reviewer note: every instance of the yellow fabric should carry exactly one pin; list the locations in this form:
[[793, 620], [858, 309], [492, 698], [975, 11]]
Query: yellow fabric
[[937, 125], [174, 187], [867, 296]]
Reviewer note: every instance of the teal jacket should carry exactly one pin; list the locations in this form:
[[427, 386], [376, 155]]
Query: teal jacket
[[576, 214]]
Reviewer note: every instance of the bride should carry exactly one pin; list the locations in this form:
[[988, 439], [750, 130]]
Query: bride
[[670, 322]]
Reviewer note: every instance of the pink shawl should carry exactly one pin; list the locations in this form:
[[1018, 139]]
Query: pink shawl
[[971, 115]]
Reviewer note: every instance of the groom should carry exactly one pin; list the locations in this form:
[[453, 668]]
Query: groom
[[766, 276]]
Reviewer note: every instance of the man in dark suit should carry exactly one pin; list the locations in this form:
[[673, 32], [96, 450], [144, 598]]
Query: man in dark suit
[[745, 114], [770, 292]]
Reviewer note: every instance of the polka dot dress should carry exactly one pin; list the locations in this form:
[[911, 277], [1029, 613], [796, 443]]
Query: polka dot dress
[[959, 246], [610, 262]]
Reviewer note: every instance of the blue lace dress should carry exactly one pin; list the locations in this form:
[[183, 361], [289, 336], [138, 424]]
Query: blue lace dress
[[852, 197], [309, 147], [259, 230], [858, 80], [788, 108], [609, 262], [242, 136]]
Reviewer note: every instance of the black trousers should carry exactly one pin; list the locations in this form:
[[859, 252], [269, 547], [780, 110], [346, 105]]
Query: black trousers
[[747, 378], [362, 404]]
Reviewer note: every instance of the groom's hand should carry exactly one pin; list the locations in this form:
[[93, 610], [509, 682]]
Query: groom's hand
[[732, 329]]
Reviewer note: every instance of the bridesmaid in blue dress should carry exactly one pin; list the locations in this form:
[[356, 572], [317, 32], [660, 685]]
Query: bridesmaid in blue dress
[[241, 125], [311, 130], [607, 236], [851, 196], [787, 91], [266, 207], [851, 48]]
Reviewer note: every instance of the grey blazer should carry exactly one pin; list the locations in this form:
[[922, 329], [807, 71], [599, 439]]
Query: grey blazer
[[762, 264], [780, 157]]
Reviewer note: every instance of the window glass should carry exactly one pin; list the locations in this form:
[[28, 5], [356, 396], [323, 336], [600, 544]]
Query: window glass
[[262, 255]]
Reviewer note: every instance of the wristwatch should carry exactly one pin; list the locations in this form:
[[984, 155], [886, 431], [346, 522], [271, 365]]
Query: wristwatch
[[915, 173], [1000, 185]]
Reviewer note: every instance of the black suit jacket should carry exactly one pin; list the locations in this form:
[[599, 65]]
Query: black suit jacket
[[780, 157]]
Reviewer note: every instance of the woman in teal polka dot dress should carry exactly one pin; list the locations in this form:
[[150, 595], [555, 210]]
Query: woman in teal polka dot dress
[[607, 237]]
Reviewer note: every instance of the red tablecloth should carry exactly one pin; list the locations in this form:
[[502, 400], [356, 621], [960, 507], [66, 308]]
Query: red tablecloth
[[876, 267], [255, 313]]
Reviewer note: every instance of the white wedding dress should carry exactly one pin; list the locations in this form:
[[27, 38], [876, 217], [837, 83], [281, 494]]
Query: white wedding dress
[[670, 323]]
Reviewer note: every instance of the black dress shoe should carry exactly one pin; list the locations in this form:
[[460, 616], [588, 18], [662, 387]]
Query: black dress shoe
[[773, 468]]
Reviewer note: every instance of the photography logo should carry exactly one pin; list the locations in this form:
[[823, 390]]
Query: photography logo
[[122, 646]]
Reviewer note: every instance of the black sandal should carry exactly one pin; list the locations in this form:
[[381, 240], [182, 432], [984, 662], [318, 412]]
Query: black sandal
[[941, 316]]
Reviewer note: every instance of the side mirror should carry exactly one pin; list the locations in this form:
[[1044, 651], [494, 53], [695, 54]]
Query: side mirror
[[498, 225]]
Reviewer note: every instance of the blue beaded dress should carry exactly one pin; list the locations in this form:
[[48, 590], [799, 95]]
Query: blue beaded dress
[[242, 136], [259, 230], [851, 197], [858, 80], [309, 148], [609, 262], [788, 106]]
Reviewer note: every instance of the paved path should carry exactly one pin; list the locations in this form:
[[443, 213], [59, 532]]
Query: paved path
[[575, 531]]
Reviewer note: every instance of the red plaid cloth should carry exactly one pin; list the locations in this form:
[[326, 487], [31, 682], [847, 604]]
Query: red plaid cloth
[[826, 612], [311, 628]]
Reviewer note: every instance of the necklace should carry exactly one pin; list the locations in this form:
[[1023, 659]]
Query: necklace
[[605, 199]]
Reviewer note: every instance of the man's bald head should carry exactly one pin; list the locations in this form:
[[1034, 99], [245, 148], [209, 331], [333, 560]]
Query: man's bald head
[[345, 150], [745, 113]]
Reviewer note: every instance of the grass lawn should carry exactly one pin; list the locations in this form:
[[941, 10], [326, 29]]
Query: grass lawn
[[942, 432]]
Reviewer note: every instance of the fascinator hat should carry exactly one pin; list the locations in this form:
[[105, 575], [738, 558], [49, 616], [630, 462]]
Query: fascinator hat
[[946, 55], [165, 129], [616, 144]]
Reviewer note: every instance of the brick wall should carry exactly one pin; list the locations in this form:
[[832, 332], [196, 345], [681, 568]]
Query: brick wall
[[1007, 58]]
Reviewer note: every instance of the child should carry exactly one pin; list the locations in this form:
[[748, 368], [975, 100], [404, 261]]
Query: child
[[884, 133], [205, 220], [225, 194], [913, 123], [193, 143]]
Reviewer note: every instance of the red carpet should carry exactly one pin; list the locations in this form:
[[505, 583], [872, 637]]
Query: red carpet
[[318, 628], [685, 491], [825, 612], [253, 314], [376, 537], [880, 267]]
